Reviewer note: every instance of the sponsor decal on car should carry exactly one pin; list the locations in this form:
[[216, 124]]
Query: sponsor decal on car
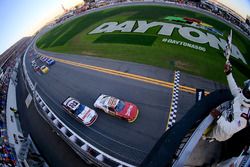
[[129, 110], [112, 102], [83, 115]]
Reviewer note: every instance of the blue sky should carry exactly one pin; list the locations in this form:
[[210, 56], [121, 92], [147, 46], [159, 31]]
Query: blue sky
[[240, 6], [20, 18]]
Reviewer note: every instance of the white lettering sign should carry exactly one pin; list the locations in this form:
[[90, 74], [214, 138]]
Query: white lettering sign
[[127, 26], [185, 32], [189, 33], [182, 43], [106, 27], [143, 26]]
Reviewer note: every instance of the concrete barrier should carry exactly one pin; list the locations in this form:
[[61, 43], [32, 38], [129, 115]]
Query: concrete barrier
[[73, 138], [68, 134]]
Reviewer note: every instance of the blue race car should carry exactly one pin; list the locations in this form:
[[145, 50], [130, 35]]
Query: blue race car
[[80, 112], [50, 62]]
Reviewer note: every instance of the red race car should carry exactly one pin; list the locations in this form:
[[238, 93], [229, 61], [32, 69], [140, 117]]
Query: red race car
[[117, 107]]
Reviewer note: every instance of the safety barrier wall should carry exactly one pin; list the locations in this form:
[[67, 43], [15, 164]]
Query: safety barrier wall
[[9, 75], [172, 143], [86, 150]]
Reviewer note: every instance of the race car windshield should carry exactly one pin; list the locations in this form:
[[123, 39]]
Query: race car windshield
[[119, 107], [102, 101]]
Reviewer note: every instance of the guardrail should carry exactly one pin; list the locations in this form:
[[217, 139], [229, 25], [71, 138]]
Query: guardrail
[[176, 144], [87, 151], [4, 128]]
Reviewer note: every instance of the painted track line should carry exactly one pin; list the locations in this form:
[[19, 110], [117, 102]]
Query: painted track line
[[174, 101], [126, 75]]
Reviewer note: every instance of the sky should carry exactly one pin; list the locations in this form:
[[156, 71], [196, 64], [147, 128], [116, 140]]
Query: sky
[[20, 18], [240, 6]]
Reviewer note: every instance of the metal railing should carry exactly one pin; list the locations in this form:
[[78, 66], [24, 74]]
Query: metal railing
[[86, 150]]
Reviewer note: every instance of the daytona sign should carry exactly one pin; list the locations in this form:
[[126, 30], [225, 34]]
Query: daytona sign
[[189, 33]]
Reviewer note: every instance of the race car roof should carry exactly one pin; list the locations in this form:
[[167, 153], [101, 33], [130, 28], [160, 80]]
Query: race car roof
[[69, 101], [111, 101]]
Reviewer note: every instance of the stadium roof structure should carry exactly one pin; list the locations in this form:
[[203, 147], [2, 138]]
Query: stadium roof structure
[[225, 8]]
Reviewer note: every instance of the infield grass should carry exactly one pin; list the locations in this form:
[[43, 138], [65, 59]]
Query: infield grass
[[147, 48]]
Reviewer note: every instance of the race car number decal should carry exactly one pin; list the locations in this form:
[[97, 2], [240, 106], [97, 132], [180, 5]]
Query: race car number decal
[[72, 104], [112, 102]]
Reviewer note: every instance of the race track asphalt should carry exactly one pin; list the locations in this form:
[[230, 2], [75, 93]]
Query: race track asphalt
[[53, 149], [118, 138], [125, 141]]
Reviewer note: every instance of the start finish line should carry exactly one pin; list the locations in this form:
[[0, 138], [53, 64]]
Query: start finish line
[[189, 33]]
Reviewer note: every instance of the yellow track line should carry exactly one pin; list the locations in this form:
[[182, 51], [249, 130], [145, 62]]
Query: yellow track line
[[126, 75]]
